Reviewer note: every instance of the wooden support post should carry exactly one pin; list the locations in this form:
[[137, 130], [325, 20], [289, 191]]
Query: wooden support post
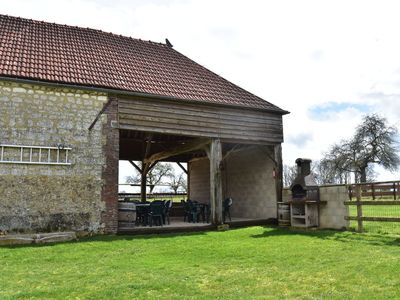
[[359, 209], [216, 181], [188, 181], [278, 172], [146, 166], [373, 191], [143, 185]]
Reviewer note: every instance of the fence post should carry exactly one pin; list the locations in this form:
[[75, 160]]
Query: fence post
[[350, 192], [359, 209], [373, 191]]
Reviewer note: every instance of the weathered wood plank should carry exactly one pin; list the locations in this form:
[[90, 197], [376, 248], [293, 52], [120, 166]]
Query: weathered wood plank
[[214, 122], [359, 209], [377, 194], [192, 126], [200, 120], [212, 114], [374, 219], [278, 172], [215, 156], [197, 109], [198, 133], [376, 202]]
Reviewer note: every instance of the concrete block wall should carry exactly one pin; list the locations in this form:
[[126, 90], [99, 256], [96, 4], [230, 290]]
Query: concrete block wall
[[199, 171], [333, 212], [47, 198], [247, 179]]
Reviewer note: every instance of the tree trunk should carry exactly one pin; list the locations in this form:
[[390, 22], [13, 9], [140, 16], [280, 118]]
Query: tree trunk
[[363, 174]]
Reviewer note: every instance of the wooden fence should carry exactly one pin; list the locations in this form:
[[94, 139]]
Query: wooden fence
[[376, 190], [381, 193]]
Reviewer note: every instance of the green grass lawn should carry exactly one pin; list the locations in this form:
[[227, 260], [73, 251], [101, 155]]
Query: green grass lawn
[[249, 263], [378, 211]]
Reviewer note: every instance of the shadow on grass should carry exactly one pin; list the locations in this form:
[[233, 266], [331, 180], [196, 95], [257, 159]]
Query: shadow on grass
[[112, 238], [341, 236], [269, 231]]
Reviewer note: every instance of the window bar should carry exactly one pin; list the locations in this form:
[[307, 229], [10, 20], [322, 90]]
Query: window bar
[[40, 154], [2, 153], [48, 154], [30, 155], [22, 153], [58, 155], [66, 156]]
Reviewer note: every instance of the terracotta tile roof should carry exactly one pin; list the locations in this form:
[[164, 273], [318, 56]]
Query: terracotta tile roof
[[73, 55]]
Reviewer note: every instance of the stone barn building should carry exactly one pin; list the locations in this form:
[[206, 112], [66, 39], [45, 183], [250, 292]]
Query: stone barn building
[[74, 101]]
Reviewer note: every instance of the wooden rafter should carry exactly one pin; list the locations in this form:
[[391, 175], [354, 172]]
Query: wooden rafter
[[136, 166], [152, 165], [187, 147]]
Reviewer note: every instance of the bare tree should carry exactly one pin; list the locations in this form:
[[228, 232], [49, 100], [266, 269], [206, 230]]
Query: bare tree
[[155, 176], [288, 175], [374, 142], [177, 181]]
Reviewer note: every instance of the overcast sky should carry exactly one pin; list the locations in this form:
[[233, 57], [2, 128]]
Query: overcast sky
[[327, 62]]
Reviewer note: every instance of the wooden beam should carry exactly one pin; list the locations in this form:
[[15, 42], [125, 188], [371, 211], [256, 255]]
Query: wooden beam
[[278, 172], [273, 159], [188, 180], [216, 181], [148, 145], [151, 166], [375, 202], [187, 147], [100, 113], [143, 179], [373, 219], [136, 166], [359, 209], [145, 169], [182, 167]]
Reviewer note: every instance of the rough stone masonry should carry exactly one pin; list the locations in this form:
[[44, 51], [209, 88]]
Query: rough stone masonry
[[43, 198]]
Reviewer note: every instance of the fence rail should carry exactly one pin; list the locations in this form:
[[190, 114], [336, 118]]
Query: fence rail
[[377, 192]]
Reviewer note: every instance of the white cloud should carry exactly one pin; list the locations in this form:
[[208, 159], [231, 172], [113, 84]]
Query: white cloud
[[295, 54]]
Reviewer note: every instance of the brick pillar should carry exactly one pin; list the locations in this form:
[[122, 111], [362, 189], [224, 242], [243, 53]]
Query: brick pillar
[[109, 193]]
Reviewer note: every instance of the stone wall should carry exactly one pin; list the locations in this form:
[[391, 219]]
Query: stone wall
[[247, 179], [52, 197]]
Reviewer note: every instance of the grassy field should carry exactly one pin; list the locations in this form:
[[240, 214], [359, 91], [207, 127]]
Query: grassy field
[[249, 263], [378, 211], [174, 198]]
